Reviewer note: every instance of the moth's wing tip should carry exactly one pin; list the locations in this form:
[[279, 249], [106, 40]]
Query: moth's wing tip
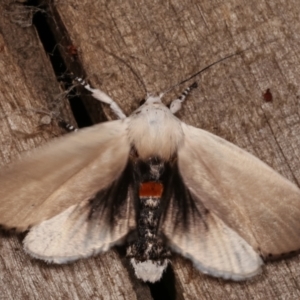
[[274, 257], [13, 228]]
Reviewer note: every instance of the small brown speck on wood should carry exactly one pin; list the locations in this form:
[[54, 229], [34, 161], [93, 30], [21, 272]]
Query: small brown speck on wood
[[132, 47]]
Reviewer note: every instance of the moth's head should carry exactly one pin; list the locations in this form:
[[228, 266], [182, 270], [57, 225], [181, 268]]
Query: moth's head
[[153, 99], [149, 270]]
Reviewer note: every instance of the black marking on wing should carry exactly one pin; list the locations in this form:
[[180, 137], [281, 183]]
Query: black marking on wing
[[186, 207], [108, 202]]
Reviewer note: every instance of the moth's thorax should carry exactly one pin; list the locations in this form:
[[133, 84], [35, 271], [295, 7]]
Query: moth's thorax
[[154, 130]]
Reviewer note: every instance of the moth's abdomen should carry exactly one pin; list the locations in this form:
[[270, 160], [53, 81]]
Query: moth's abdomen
[[151, 189], [155, 132], [149, 257]]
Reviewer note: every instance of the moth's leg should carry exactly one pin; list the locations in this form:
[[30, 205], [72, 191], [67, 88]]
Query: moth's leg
[[175, 105], [67, 126], [104, 98]]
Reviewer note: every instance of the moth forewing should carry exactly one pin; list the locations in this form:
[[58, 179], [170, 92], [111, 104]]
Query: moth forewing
[[251, 198], [61, 174]]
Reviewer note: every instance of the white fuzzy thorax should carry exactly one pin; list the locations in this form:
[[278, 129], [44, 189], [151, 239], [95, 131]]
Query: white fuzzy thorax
[[154, 130]]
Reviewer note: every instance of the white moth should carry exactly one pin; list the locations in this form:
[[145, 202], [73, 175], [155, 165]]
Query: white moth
[[155, 184]]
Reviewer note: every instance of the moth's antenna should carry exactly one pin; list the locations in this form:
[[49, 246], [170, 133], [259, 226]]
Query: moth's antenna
[[202, 70], [127, 65], [67, 126], [175, 105]]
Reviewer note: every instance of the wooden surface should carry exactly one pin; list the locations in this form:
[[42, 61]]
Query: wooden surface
[[130, 48]]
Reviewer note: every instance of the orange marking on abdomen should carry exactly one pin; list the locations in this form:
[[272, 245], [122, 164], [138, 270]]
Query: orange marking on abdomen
[[151, 189]]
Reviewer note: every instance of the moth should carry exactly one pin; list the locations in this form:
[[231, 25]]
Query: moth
[[156, 185]]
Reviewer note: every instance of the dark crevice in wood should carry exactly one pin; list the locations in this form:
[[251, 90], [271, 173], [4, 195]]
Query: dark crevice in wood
[[73, 63], [41, 21], [165, 288]]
